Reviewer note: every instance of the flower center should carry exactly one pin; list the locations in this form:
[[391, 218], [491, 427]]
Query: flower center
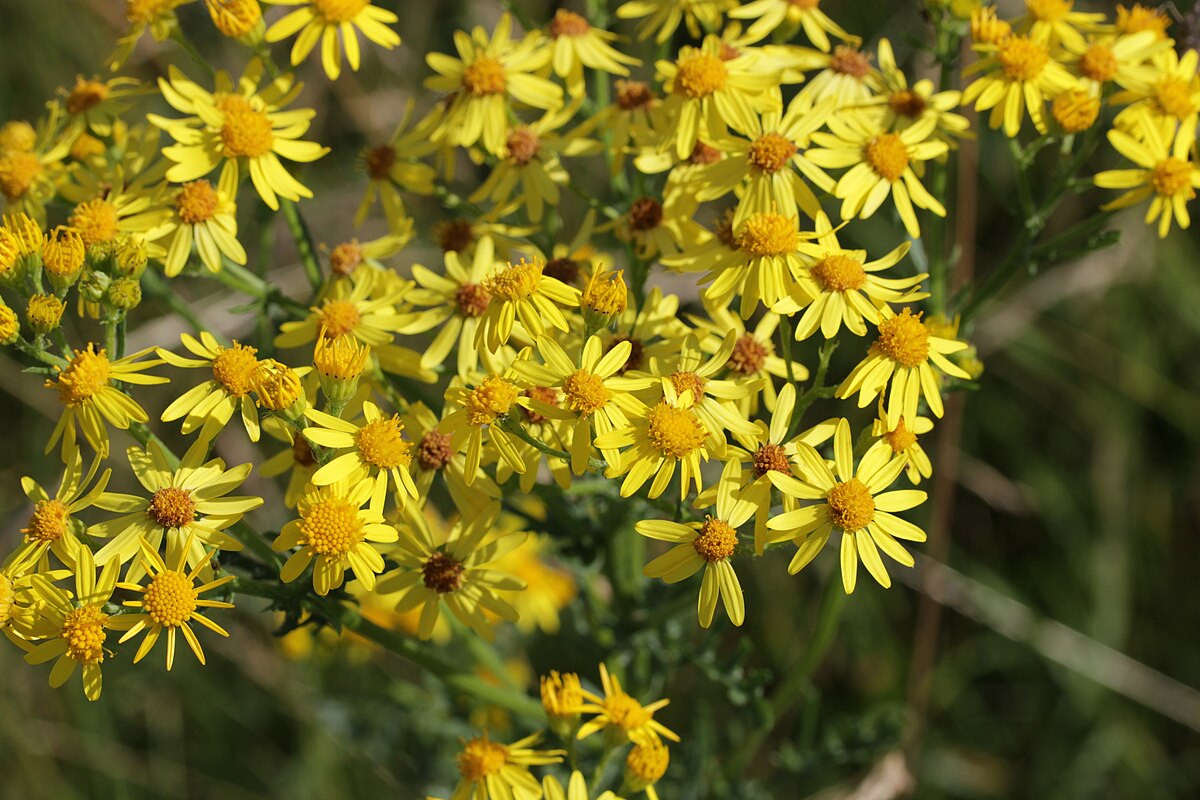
[[700, 74], [381, 445], [63, 252], [379, 161], [851, 506], [454, 235], [338, 317], [888, 156], [472, 299], [172, 507], [543, 394], [689, 382], [523, 145], [346, 257], [907, 103], [1021, 58], [302, 454], [585, 391], [901, 438], [674, 432], [83, 631], [703, 154], [48, 522], [568, 23], [904, 339], [442, 573], [837, 272], [771, 152], [434, 451], [484, 76], [717, 540], [95, 221], [645, 214], [632, 95], [626, 713], [481, 758], [1098, 63], [1140, 18], [1172, 177], [1048, 10], [235, 368], [340, 357], [489, 400], [516, 282], [246, 132], [770, 458], [339, 10], [85, 95], [637, 353], [170, 599], [849, 61], [748, 356], [331, 527], [147, 10], [767, 234], [648, 762], [1175, 97], [83, 378], [562, 269], [17, 173], [196, 202]]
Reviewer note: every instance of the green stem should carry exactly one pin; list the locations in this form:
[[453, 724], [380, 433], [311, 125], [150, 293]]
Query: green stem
[[183, 41], [304, 243], [515, 429], [818, 388], [39, 353]]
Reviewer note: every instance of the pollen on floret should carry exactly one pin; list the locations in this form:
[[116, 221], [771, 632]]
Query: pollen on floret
[[331, 527], [27, 232], [434, 451], [196, 202], [632, 95], [48, 523], [523, 145], [484, 76], [515, 282], [1021, 58], [700, 75], [338, 11], [346, 257], [83, 631], [1098, 63], [900, 438], [1174, 97], [472, 299], [86, 94], [83, 378], [851, 506], [770, 458], [338, 317], [169, 599], [490, 400], [568, 23], [904, 339], [585, 392], [716, 541], [442, 573], [838, 272], [1075, 111], [768, 234], [689, 382], [887, 154], [771, 152], [674, 432], [246, 132], [626, 713], [481, 758], [1173, 177], [645, 214], [340, 357], [907, 103], [381, 444], [235, 368], [95, 221], [647, 762], [18, 171], [172, 507], [850, 61]]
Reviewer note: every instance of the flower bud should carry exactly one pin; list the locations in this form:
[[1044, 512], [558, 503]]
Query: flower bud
[[63, 253], [278, 388], [340, 361], [10, 326], [562, 696], [237, 19], [93, 285], [130, 256], [44, 312], [1075, 111], [604, 298], [125, 294], [646, 763]]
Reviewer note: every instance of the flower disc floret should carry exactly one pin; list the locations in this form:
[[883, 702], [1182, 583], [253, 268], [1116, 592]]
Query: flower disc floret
[[1171, 177], [700, 75], [246, 132], [838, 272], [381, 444], [481, 758], [717, 540], [523, 145], [904, 339], [901, 438], [1098, 63], [338, 317], [18, 171], [442, 573], [771, 152], [849, 61], [768, 234], [346, 257], [1174, 97], [95, 221], [851, 506], [84, 634], [434, 452], [172, 507], [84, 377], [472, 299], [169, 599], [675, 432], [647, 762], [484, 76], [235, 368], [907, 103], [770, 458], [331, 527], [568, 23], [48, 523], [632, 95], [1021, 58], [887, 154], [196, 202], [489, 400], [585, 392], [517, 282], [626, 713], [645, 214], [748, 355], [689, 382], [86, 94]]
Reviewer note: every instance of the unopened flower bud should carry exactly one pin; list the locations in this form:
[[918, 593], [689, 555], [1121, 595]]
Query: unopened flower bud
[[278, 388], [44, 312], [130, 256], [63, 254], [237, 19], [125, 294], [10, 326]]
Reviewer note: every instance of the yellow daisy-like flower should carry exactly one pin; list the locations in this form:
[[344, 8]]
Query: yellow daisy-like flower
[[769, 15], [881, 165], [619, 713], [659, 228], [494, 771], [753, 354], [363, 307], [1141, 18], [51, 526], [662, 17], [846, 76], [523, 292], [483, 407], [853, 502], [209, 406], [707, 92], [1171, 100], [455, 567], [89, 399], [321, 21], [576, 789], [1165, 172], [488, 74], [709, 544], [155, 16], [645, 765], [630, 120], [902, 438], [1054, 22], [75, 629], [577, 45], [376, 449], [840, 286], [434, 456], [904, 105], [95, 104], [29, 178], [393, 167], [1122, 60], [240, 128], [206, 216], [336, 532], [169, 601], [188, 505], [1019, 76], [902, 354]]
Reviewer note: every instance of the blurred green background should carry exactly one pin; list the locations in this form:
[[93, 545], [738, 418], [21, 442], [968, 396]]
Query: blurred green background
[[1064, 655]]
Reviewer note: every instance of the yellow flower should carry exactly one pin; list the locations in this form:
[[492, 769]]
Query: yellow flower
[[188, 503], [1019, 74], [206, 216], [393, 167], [847, 77], [353, 307], [95, 105], [1172, 99], [44, 312], [376, 449], [169, 601], [433, 455], [89, 399], [1165, 172], [239, 128], [51, 526], [904, 105], [662, 17], [881, 164], [659, 228], [320, 21], [577, 45], [75, 629], [237, 19], [494, 771], [1140, 18], [523, 292], [455, 567], [768, 15], [1122, 60], [709, 544], [483, 407], [622, 715], [630, 120], [902, 354], [1054, 22], [338, 533], [30, 178], [902, 438], [209, 406], [156, 16], [644, 766], [753, 353], [488, 75]]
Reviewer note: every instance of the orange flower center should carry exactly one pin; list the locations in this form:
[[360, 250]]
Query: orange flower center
[[83, 631], [85, 95], [1175, 97], [170, 599], [381, 445], [523, 145], [172, 507], [331, 527], [851, 506], [763, 235], [95, 221], [1173, 177], [490, 400], [849, 61], [700, 75], [585, 392], [83, 378], [568, 23], [904, 339], [907, 103], [771, 152], [901, 438], [235, 368], [339, 11], [338, 317], [17, 173], [1021, 58], [717, 540], [434, 451], [838, 272], [481, 758], [633, 95], [645, 214], [1098, 63], [887, 154], [48, 523], [674, 432], [770, 458], [484, 76], [196, 202], [246, 131], [748, 356]]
